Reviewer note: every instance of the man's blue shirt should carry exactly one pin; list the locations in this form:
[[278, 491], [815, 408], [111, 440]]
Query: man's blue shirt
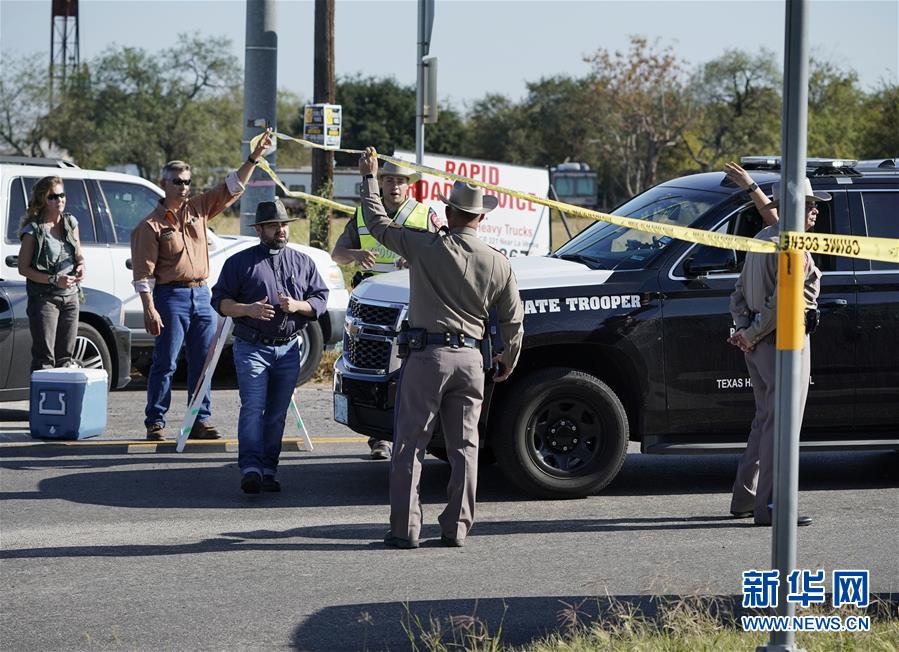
[[256, 273]]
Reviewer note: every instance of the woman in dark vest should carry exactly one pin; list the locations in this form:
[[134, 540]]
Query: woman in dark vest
[[50, 259]]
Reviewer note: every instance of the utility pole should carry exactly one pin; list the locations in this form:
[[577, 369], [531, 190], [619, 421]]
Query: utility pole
[[260, 88], [323, 92], [790, 315]]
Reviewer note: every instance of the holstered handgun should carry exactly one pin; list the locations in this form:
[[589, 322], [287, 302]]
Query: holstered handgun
[[410, 339], [812, 319], [487, 347]]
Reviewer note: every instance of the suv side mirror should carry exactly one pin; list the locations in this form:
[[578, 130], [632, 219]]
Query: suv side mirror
[[710, 260]]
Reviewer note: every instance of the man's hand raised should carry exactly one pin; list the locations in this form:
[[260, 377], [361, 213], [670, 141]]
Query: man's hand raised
[[368, 162]]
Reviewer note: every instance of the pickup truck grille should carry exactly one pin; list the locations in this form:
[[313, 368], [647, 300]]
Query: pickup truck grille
[[367, 354], [371, 314]]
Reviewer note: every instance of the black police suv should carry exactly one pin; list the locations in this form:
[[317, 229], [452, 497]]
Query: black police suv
[[625, 337]]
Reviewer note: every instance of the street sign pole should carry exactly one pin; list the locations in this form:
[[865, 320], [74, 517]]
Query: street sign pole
[[425, 25], [790, 315]]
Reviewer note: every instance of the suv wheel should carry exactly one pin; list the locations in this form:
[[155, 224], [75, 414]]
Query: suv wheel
[[312, 346], [562, 434], [91, 351]]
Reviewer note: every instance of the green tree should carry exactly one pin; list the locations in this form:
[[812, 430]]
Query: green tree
[[738, 105], [495, 131], [880, 134], [290, 121], [379, 111], [23, 101], [835, 119], [129, 106], [640, 109]]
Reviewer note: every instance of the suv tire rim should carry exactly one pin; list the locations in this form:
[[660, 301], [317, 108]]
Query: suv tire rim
[[564, 436], [86, 354], [303, 344]]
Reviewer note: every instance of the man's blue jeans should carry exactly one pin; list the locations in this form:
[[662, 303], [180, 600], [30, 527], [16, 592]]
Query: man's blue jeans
[[187, 318], [266, 377]]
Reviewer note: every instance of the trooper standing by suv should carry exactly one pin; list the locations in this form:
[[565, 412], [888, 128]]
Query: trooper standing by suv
[[170, 258], [752, 306], [271, 292], [357, 246], [455, 279]]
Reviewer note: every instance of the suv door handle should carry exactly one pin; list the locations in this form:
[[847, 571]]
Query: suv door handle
[[12, 261], [835, 305]]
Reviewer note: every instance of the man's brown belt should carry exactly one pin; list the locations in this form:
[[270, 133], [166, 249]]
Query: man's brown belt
[[186, 284]]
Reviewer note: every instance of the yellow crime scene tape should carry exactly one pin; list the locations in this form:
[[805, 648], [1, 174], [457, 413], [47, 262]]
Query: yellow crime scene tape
[[882, 249]]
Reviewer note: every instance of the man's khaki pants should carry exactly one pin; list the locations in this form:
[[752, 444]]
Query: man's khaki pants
[[449, 383], [754, 485]]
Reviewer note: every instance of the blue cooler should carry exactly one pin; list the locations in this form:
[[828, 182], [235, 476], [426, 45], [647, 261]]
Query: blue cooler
[[68, 403]]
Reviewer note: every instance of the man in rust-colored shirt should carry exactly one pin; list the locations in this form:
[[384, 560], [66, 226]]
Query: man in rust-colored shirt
[[170, 257]]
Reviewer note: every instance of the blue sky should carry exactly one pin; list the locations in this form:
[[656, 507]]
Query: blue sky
[[483, 46]]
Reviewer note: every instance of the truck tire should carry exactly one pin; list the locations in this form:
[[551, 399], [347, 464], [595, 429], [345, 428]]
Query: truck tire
[[312, 346], [561, 434], [91, 352]]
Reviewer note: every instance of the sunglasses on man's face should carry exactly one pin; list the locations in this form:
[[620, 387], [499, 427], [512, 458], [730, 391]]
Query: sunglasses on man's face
[[810, 206], [181, 182], [56, 195]]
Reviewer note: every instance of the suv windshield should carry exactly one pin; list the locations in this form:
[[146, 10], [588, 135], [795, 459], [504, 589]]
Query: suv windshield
[[606, 246]]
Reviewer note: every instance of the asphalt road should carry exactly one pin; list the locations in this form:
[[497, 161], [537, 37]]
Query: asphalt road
[[101, 549]]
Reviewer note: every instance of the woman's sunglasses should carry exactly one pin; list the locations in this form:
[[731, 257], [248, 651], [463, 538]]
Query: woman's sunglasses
[[181, 182], [56, 195]]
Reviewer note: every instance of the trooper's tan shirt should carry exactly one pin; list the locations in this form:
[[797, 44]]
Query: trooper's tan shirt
[[454, 279], [170, 246], [754, 299]]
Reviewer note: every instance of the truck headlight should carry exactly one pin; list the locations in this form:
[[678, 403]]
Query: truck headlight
[[335, 277]]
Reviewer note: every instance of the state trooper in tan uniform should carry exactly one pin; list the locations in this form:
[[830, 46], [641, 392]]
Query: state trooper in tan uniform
[[752, 306], [455, 279]]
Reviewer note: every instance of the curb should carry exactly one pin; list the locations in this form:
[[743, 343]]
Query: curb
[[124, 446]]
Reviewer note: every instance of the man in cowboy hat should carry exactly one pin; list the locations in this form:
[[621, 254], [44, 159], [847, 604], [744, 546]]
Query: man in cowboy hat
[[356, 246], [271, 291], [455, 279], [752, 306]]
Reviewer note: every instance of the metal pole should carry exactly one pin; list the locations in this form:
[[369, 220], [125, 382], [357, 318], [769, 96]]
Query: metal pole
[[790, 309], [419, 85], [259, 101]]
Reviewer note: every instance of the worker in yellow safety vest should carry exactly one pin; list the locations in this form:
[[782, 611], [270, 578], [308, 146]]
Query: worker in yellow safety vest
[[356, 246]]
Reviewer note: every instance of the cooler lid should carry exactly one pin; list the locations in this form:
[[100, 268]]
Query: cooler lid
[[68, 375]]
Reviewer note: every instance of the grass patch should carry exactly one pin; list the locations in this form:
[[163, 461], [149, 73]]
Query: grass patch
[[325, 371], [660, 624]]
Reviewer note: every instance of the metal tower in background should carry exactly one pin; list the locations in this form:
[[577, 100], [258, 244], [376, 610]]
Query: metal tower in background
[[64, 55]]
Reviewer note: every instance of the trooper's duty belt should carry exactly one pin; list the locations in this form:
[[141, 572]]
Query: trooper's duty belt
[[455, 340], [416, 339], [812, 319]]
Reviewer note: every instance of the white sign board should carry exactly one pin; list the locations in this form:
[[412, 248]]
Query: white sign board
[[516, 227], [322, 124]]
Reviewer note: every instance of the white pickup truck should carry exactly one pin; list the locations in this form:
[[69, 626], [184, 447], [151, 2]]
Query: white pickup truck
[[108, 205]]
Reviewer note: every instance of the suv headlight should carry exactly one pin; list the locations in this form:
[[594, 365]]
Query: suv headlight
[[335, 277]]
